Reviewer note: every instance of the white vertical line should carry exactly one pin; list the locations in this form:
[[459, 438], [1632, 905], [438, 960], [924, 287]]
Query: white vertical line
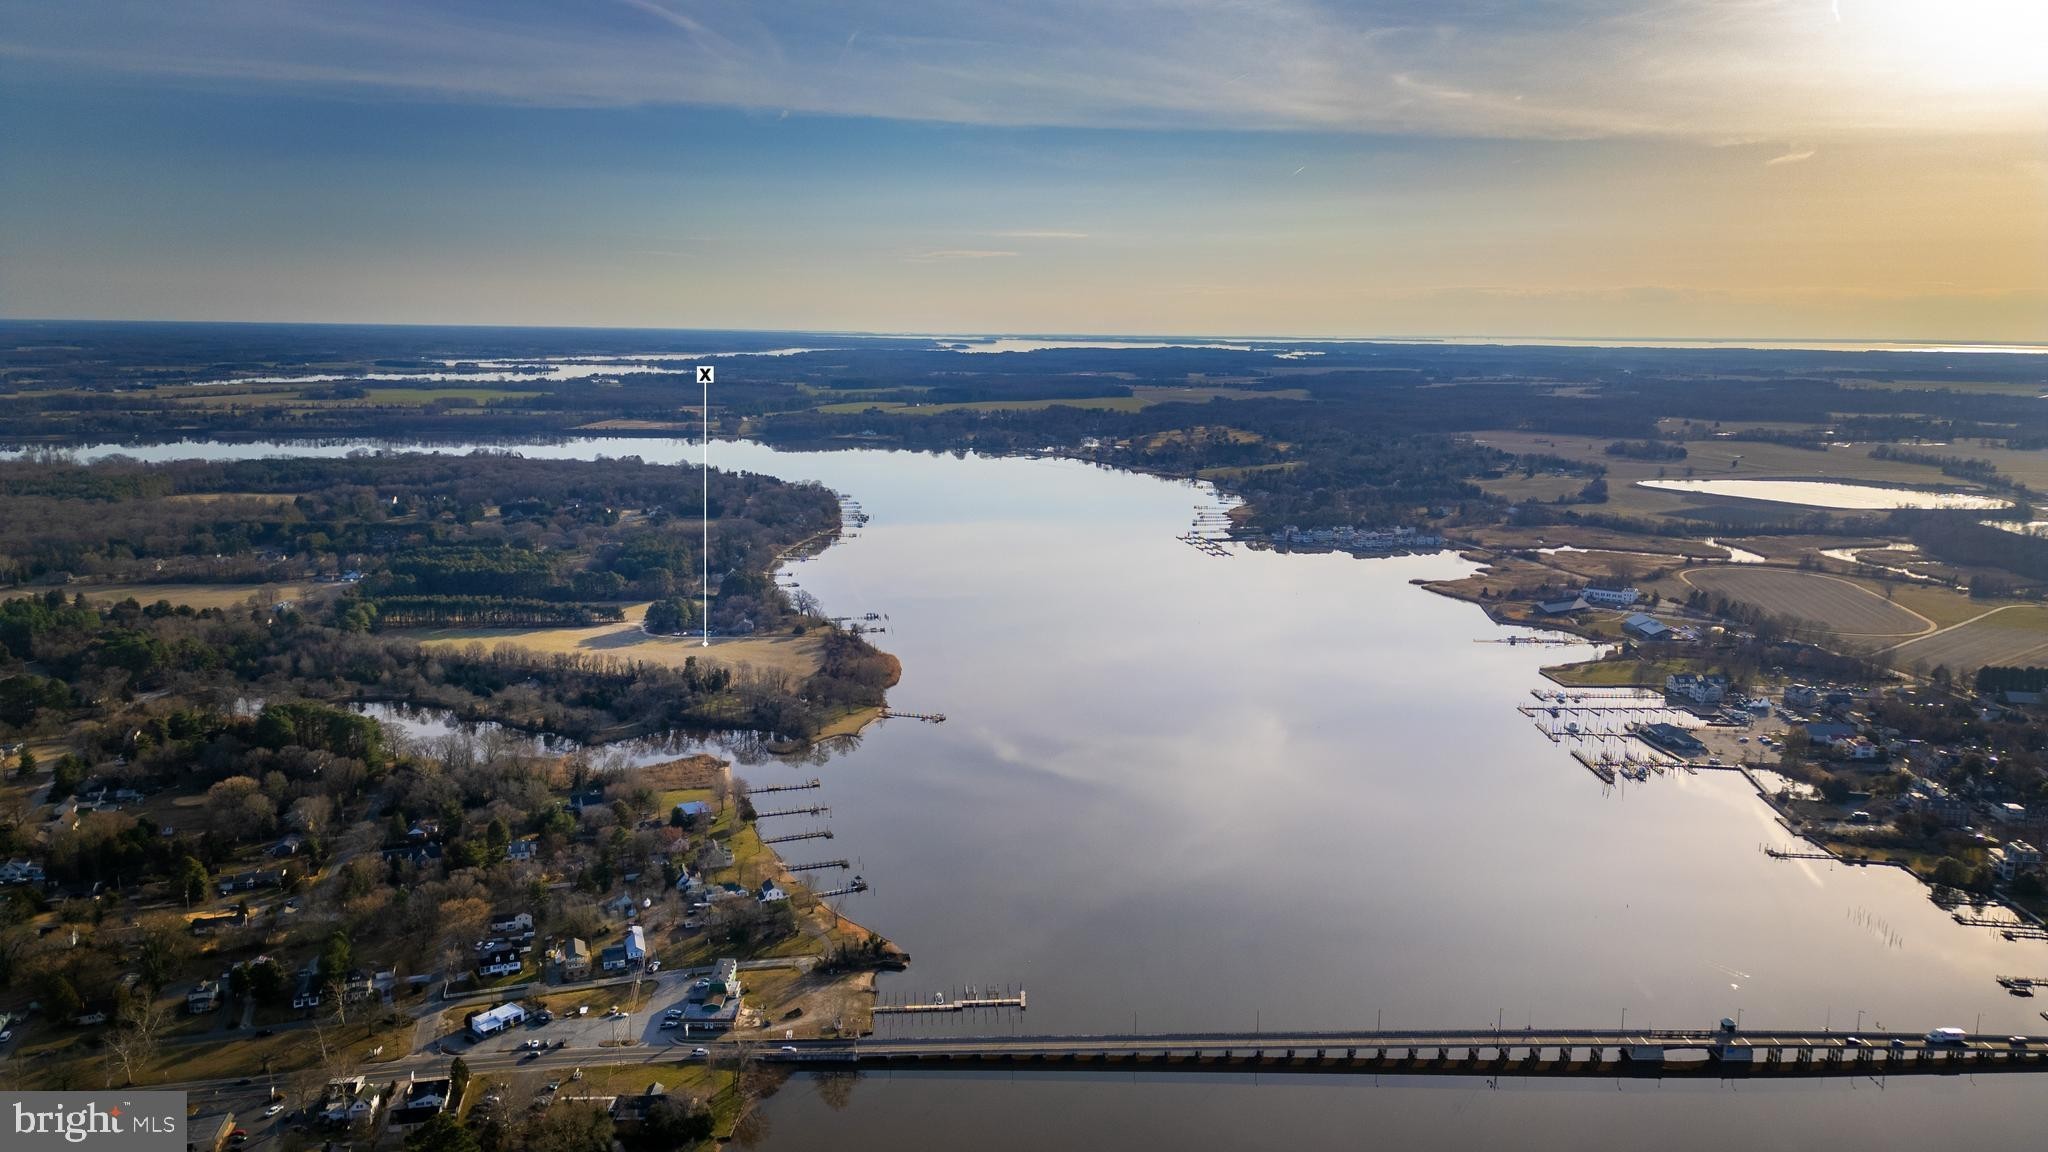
[[706, 589]]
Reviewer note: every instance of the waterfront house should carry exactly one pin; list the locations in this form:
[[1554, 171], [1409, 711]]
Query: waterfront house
[[713, 1003], [1644, 626], [770, 892], [2013, 858], [1610, 597], [1563, 607], [692, 810], [1704, 691]]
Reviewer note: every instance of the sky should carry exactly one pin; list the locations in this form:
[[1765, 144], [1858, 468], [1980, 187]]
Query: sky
[[1788, 169]]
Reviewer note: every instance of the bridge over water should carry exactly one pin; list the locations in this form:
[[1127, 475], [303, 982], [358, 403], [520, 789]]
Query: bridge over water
[[1711, 1053]]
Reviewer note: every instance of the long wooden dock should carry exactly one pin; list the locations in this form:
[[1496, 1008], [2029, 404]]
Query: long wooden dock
[[818, 866], [960, 1004], [793, 837], [2010, 929], [927, 717], [1716, 1054], [764, 789], [813, 810]]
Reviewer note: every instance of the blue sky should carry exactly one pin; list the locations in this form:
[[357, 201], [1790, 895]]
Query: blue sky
[[1747, 168]]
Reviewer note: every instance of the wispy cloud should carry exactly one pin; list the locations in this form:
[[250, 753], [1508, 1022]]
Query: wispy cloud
[[1696, 69], [946, 254], [1793, 157], [1039, 234]]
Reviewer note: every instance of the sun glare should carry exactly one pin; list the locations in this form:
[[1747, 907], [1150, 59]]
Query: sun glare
[[1957, 44]]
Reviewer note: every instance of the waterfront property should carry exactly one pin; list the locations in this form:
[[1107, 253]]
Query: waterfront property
[[1601, 597], [1704, 691], [1670, 738], [1644, 626], [713, 1001]]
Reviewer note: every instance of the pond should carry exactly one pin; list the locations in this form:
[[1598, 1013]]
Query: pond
[[1832, 494]]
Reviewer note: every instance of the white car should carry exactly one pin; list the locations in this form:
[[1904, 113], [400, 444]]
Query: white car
[[700, 1052], [273, 1110]]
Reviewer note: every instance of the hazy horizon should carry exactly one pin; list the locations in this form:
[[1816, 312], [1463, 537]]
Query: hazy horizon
[[1864, 169]]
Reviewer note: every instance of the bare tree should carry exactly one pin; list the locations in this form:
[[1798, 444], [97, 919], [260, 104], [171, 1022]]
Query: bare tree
[[139, 1031]]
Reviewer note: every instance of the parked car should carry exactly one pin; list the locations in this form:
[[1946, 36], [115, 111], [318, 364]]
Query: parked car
[[273, 1110], [700, 1052]]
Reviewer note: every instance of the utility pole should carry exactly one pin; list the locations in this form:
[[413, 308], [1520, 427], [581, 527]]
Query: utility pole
[[704, 375]]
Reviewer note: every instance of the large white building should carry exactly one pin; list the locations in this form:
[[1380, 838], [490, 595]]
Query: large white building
[[1611, 597], [494, 1020]]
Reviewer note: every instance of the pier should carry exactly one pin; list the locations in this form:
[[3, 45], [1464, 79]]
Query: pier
[[1712, 1054], [793, 837], [813, 810], [818, 866], [927, 717], [1794, 854], [940, 1003], [856, 885], [764, 789], [2010, 929]]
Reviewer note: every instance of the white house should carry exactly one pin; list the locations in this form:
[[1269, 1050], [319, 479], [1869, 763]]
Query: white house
[[512, 922], [1610, 597], [494, 1020], [2014, 858], [636, 945], [1703, 690], [771, 892]]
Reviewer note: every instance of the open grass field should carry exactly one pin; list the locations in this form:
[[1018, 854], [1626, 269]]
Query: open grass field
[[1705, 459], [893, 407], [787, 655], [2013, 634], [1143, 396], [1845, 608], [196, 595]]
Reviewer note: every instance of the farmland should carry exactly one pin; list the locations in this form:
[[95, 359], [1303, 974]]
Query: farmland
[[2013, 634], [1846, 609]]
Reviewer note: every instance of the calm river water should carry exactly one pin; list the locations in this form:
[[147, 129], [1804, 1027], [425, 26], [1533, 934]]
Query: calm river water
[[1182, 792]]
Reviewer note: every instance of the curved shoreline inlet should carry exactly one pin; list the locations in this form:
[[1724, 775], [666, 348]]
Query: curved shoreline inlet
[[1832, 494]]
